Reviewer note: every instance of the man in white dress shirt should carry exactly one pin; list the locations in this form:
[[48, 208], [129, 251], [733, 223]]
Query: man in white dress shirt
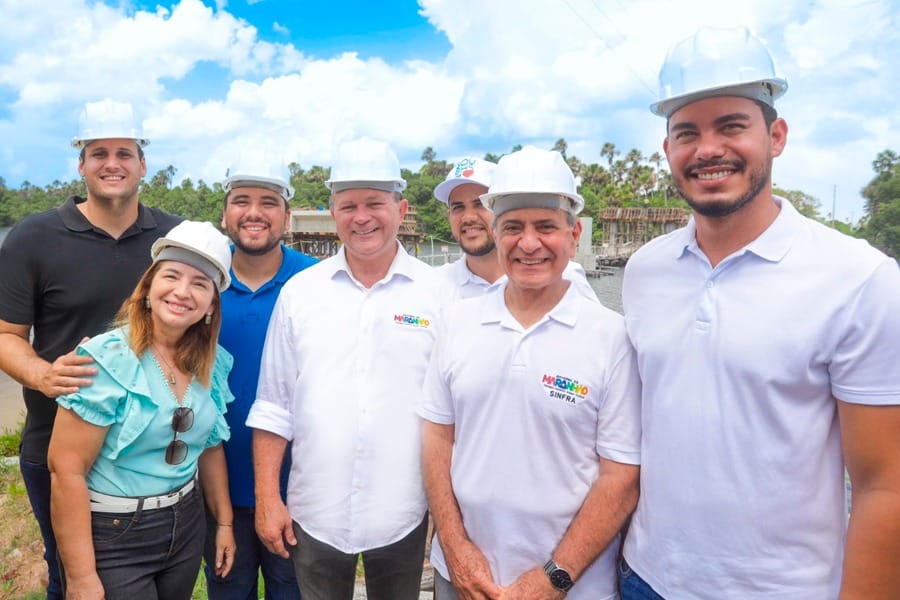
[[342, 371], [531, 442]]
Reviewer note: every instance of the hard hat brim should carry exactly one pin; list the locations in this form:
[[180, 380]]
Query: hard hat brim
[[80, 143], [532, 199], [763, 90], [276, 185], [384, 186], [443, 190], [162, 243]]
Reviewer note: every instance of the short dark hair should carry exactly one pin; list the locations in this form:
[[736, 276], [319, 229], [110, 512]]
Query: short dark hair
[[140, 151], [768, 111]]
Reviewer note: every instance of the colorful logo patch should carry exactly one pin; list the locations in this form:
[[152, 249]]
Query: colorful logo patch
[[563, 388], [411, 320], [464, 168]]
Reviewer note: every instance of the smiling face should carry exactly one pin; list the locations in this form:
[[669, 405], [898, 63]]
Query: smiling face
[[535, 245], [470, 221], [720, 153], [255, 219], [112, 170], [367, 222], [179, 295]]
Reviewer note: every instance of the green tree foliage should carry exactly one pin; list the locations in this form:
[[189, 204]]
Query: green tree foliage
[[627, 179], [881, 225]]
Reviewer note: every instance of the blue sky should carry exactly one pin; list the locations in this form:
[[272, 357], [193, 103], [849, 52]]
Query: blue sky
[[215, 81]]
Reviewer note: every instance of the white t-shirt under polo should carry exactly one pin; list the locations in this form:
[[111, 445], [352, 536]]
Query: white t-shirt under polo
[[341, 376], [532, 410], [466, 284], [742, 478]]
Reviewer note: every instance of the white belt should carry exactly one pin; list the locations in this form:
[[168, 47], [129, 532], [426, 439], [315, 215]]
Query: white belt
[[119, 504]]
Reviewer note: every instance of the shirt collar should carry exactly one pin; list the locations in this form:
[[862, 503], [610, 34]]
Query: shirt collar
[[771, 245], [495, 310], [74, 220], [402, 265], [463, 275], [284, 273]]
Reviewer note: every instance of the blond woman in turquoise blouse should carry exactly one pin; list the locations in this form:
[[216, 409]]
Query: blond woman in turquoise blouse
[[133, 455]]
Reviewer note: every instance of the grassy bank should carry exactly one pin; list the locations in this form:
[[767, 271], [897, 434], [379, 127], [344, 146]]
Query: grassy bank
[[22, 569]]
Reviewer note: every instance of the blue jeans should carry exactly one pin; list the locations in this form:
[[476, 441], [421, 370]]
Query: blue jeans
[[242, 583], [150, 554], [37, 483], [632, 587], [393, 572]]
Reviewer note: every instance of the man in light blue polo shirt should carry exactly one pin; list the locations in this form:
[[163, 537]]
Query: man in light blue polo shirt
[[255, 215]]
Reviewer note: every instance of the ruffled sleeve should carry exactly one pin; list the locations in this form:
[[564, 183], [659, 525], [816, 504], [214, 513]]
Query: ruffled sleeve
[[100, 402], [221, 396]]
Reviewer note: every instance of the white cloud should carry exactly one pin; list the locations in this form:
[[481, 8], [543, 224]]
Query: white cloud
[[84, 51], [518, 71]]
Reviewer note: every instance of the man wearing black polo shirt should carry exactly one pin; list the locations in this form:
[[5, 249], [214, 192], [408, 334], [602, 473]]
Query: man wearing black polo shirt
[[63, 275]]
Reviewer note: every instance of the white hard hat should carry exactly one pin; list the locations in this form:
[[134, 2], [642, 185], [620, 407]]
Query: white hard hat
[[200, 245], [533, 178], [466, 170], [269, 175], [717, 62], [106, 120], [365, 163]]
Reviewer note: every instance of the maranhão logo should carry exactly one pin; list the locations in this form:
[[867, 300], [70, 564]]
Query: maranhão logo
[[411, 320], [563, 388]]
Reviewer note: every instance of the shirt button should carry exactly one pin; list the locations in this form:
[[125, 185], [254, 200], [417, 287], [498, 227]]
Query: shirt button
[[709, 284]]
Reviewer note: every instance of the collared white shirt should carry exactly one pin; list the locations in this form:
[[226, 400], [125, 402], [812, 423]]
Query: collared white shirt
[[341, 376], [742, 477], [532, 410], [466, 284], [463, 282]]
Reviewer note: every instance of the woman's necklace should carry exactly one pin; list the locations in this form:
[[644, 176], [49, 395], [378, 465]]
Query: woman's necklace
[[171, 375]]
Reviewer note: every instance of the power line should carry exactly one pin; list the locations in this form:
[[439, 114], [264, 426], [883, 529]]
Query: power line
[[634, 73]]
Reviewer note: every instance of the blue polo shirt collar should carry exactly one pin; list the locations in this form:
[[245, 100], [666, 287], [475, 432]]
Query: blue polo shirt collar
[[284, 273]]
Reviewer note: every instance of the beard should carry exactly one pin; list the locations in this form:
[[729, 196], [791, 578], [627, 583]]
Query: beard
[[482, 250], [759, 178], [270, 243]]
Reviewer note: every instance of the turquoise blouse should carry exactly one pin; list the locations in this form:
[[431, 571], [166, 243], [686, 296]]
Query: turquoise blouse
[[130, 395]]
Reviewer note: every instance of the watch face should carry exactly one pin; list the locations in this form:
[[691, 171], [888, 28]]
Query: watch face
[[560, 579]]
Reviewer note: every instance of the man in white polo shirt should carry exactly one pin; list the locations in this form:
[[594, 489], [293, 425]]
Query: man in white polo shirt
[[479, 270], [767, 345], [341, 375], [532, 407]]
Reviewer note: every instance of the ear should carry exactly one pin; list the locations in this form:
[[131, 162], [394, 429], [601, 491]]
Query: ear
[[222, 224], [404, 206], [666, 147], [143, 167], [778, 136], [576, 235]]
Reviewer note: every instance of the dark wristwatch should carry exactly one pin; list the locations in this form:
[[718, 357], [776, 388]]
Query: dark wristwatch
[[559, 577]]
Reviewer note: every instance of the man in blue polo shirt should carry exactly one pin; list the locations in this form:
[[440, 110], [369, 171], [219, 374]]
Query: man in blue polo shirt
[[255, 215]]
